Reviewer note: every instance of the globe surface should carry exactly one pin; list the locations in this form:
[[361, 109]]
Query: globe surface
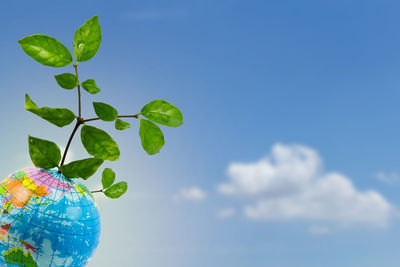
[[46, 219]]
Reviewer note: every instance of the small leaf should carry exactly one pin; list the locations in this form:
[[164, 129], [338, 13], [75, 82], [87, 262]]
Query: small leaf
[[105, 111], [108, 178], [99, 144], [163, 112], [83, 168], [90, 86], [66, 80], [116, 190], [151, 136], [44, 154], [87, 40], [122, 125], [46, 50], [57, 116]]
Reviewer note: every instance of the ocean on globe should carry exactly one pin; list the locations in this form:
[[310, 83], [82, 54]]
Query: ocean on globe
[[46, 220]]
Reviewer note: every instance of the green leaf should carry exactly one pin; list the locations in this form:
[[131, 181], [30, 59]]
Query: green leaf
[[108, 178], [151, 136], [105, 111], [44, 154], [163, 112], [57, 116], [18, 257], [122, 125], [87, 40], [83, 168], [90, 86], [66, 80], [116, 190], [46, 50], [99, 144]]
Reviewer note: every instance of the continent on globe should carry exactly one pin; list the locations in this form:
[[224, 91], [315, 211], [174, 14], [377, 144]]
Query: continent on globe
[[46, 219]]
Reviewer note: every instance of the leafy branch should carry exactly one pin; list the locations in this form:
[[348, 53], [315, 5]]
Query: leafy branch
[[98, 143]]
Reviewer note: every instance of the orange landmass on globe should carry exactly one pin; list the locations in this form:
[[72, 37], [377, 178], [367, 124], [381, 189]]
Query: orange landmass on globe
[[21, 191]]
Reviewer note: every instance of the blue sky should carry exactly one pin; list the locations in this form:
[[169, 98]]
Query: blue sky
[[312, 83]]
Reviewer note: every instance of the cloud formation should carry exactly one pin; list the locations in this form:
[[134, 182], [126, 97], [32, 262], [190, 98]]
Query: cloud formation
[[291, 184], [193, 193]]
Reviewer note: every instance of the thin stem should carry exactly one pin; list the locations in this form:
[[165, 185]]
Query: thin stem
[[120, 116], [79, 89], [79, 121], [97, 191]]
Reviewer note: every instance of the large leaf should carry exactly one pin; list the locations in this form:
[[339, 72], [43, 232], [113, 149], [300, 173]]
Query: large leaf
[[90, 86], [116, 190], [107, 178], [151, 136], [66, 80], [44, 154], [122, 125], [105, 111], [56, 116], [83, 168], [46, 50], [87, 40], [163, 112], [99, 144]]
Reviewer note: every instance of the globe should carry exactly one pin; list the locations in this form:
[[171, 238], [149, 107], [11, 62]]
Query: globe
[[46, 219]]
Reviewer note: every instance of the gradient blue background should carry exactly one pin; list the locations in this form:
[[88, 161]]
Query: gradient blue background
[[246, 74]]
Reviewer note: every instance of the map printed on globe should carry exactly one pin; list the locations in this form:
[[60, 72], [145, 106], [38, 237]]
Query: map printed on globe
[[46, 220]]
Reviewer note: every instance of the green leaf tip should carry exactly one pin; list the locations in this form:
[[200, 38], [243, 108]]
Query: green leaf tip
[[66, 80], [105, 111], [29, 104], [163, 112], [46, 50], [44, 154], [57, 116], [83, 168], [87, 40], [99, 144], [116, 190], [151, 136]]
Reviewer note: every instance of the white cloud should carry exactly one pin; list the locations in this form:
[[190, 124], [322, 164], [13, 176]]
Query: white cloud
[[291, 184], [226, 213], [193, 193], [390, 178]]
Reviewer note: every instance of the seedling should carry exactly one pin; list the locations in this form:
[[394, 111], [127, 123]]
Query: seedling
[[98, 143]]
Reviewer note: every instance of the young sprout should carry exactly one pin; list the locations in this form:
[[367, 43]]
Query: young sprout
[[98, 143]]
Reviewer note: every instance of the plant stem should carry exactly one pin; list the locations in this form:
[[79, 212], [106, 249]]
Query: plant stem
[[79, 121], [79, 89], [121, 116], [97, 191]]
